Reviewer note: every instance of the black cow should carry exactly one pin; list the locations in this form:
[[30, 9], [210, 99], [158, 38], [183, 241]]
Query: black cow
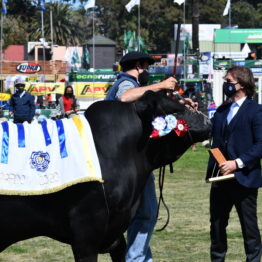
[[92, 217]]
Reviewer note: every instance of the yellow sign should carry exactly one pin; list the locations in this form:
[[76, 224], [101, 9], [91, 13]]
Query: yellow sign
[[39, 89], [4, 97], [91, 89]]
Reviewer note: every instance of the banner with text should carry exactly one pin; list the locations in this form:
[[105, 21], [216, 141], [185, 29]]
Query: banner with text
[[238, 36], [39, 89], [91, 89]]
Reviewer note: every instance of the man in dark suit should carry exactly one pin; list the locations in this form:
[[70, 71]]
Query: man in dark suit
[[237, 132]]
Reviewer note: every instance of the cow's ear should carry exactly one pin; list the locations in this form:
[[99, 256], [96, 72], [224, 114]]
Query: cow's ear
[[156, 104]]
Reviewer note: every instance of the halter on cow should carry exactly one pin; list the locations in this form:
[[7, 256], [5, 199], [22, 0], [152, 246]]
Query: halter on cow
[[92, 217]]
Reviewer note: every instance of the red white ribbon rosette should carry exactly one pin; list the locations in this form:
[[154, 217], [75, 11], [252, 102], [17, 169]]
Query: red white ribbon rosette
[[155, 134], [181, 128]]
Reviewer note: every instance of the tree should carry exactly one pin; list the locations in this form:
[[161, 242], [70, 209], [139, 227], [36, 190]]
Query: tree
[[244, 15], [64, 31], [14, 31]]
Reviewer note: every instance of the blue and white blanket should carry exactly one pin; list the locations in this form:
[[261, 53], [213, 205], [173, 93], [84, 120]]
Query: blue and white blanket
[[44, 158]]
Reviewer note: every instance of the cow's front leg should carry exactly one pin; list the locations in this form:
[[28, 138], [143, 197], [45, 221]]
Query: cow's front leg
[[118, 252], [85, 255]]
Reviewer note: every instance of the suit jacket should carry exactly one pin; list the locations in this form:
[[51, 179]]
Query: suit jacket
[[242, 138]]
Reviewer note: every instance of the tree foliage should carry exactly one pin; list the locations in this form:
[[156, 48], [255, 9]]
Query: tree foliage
[[73, 25], [64, 30]]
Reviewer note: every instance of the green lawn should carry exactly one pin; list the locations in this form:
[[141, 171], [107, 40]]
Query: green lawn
[[186, 238]]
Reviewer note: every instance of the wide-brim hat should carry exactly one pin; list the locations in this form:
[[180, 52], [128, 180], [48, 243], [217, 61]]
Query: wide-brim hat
[[136, 56]]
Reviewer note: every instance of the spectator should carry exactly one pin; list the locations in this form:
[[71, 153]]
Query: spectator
[[68, 103], [22, 106]]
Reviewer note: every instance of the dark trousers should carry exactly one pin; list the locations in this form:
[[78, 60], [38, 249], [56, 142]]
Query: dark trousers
[[22, 120], [222, 198]]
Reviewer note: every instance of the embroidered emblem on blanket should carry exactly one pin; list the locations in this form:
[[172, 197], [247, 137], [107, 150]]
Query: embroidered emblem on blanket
[[44, 158]]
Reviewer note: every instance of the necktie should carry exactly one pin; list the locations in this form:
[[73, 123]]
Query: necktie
[[232, 112]]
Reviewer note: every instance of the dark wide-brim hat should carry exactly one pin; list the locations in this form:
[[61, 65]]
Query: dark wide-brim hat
[[136, 56]]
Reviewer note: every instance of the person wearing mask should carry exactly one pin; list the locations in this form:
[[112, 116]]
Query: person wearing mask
[[130, 85], [22, 106], [68, 102], [237, 132]]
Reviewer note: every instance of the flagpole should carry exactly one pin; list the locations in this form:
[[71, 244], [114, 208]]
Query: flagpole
[[138, 27], [185, 55], [94, 38], [51, 30], [229, 15], [43, 37], [1, 64]]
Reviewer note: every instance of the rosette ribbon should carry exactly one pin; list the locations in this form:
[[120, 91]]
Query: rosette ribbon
[[182, 128], [164, 125]]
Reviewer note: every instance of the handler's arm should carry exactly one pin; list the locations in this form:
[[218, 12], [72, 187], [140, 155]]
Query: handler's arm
[[135, 93]]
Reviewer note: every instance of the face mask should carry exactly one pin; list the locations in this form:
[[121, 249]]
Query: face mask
[[143, 78], [229, 89], [69, 94], [19, 89]]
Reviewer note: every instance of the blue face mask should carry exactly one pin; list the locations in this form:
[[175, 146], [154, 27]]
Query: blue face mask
[[229, 89]]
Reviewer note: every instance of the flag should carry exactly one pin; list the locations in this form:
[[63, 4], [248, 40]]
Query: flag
[[68, 55], [228, 6], [125, 39], [4, 9], [180, 2], [131, 4], [75, 57], [85, 58], [186, 44], [132, 43], [142, 45], [90, 4], [42, 5]]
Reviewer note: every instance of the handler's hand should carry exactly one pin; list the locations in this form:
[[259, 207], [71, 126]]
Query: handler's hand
[[194, 105], [169, 83], [228, 167]]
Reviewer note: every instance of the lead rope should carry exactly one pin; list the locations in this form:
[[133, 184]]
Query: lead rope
[[161, 179]]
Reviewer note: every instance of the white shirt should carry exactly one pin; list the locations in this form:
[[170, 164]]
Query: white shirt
[[232, 112], [234, 108]]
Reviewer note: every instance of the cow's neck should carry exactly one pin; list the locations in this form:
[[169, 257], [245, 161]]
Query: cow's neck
[[166, 150]]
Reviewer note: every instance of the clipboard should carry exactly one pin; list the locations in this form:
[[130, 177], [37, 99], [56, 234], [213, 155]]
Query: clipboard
[[219, 157]]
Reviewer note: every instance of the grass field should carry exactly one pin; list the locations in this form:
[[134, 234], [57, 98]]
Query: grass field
[[186, 239]]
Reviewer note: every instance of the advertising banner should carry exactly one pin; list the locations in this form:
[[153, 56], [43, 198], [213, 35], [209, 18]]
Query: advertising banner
[[238, 36], [90, 77], [38, 89], [4, 97], [91, 89], [225, 64], [206, 31]]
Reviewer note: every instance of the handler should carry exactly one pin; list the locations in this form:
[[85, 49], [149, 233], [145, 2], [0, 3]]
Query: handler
[[237, 132], [130, 86]]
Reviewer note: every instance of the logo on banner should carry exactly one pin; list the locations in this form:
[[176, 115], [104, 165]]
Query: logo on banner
[[29, 68], [40, 161]]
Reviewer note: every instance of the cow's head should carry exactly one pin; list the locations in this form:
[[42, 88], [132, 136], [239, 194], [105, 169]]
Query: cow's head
[[171, 146]]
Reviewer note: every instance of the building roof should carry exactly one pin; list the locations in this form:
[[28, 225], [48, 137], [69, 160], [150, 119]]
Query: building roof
[[100, 40]]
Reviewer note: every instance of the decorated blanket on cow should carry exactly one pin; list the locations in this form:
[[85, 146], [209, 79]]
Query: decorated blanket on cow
[[41, 158]]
